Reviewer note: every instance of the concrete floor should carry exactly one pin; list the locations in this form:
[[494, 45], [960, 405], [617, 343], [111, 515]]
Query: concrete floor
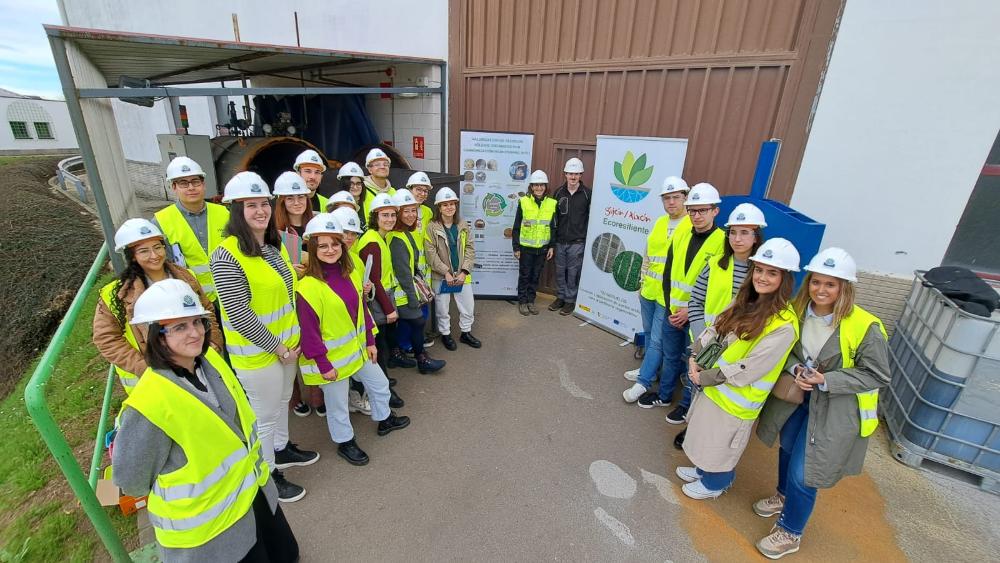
[[524, 450]]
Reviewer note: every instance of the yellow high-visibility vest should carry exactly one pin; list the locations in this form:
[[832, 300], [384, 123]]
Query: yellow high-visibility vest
[[389, 282], [746, 401], [536, 221], [720, 291], [399, 295], [346, 344], [657, 245], [682, 279], [177, 231], [853, 329], [224, 471], [127, 378], [269, 300]]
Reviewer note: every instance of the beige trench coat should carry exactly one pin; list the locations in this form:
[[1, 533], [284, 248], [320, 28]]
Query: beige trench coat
[[715, 439]]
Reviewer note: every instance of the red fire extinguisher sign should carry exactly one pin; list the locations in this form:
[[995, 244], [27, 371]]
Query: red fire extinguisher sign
[[418, 147]]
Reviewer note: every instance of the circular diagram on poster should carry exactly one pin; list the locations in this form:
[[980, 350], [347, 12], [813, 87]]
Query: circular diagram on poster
[[606, 248], [627, 270]]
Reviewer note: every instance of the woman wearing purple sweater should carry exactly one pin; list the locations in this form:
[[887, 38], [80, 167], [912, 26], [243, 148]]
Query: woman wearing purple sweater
[[336, 337]]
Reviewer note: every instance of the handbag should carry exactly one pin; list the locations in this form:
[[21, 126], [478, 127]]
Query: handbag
[[786, 389], [709, 355], [424, 292]]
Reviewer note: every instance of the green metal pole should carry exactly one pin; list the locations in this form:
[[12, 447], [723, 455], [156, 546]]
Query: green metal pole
[[102, 425], [34, 400]]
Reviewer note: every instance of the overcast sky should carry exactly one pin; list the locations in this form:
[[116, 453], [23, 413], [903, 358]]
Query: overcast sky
[[26, 65]]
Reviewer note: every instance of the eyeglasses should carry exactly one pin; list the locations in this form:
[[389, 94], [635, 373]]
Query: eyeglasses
[[379, 164], [182, 328], [355, 184], [700, 211], [148, 251], [185, 184]]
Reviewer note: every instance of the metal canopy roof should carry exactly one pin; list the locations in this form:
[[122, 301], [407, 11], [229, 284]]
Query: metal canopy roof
[[165, 59]]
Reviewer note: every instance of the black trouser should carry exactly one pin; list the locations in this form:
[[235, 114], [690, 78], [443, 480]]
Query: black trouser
[[416, 328], [275, 541], [383, 346], [529, 272]]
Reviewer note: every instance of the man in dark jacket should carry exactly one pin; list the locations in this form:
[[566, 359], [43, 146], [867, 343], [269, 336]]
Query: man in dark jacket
[[572, 215]]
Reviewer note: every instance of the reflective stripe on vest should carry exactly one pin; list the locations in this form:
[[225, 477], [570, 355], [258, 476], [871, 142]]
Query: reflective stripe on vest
[[720, 291], [269, 301], [190, 506], [657, 246], [127, 378], [388, 279], [536, 221], [179, 233], [346, 344], [682, 279], [745, 402], [853, 329]]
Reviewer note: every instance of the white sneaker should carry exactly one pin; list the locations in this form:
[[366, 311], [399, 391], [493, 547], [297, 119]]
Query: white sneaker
[[698, 491], [358, 403], [633, 393], [688, 474], [632, 374]]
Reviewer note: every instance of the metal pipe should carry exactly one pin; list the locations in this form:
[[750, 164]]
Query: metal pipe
[[86, 148], [41, 416], [102, 426], [444, 117], [88, 93]]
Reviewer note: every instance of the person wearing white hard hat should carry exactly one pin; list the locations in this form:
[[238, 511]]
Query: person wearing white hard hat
[[573, 210], [408, 263], [186, 436], [719, 281], [531, 237], [330, 305], [192, 226], [119, 342], [311, 166], [652, 302], [377, 180], [420, 185], [690, 250], [256, 283], [823, 423], [374, 246], [292, 212], [352, 181], [756, 334], [450, 256]]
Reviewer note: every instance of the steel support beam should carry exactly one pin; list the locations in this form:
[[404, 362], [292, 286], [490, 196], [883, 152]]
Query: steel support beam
[[215, 91]]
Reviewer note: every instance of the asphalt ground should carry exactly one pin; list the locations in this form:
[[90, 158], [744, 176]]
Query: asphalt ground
[[524, 451]]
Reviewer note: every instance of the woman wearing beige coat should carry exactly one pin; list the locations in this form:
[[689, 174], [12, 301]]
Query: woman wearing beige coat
[[757, 333]]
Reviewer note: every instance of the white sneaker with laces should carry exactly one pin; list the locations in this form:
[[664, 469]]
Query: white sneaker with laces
[[688, 474], [633, 393], [778, 543], [632, 374], [698, 491], [358, 403]]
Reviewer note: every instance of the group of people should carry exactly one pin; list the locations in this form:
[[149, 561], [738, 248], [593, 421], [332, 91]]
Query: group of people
[[719, 313], [228, 317]]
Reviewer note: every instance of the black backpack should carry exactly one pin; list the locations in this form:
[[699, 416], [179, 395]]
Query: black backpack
[[969, 292]]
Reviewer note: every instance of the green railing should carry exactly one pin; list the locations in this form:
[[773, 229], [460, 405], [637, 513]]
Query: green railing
[[41, 416]]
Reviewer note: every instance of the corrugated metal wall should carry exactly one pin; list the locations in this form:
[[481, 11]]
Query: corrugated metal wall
[[726, 74]]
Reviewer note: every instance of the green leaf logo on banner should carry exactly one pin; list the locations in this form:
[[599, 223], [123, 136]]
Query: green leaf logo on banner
[[631, 174]]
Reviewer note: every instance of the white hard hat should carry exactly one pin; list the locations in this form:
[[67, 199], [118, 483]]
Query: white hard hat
[[134, 230], [350, 170], [183, 166], [573, 166], [342, 196], [538, 177], [245, 185], [445, 194], [703, 194], [167, 299], [323, 224], [403, 197], [348, 219], [418, 179], [673, 184], [290, 183], [746, 214], [309, 156], [778, 252], [834, 262], [375, 154], [382, 200]]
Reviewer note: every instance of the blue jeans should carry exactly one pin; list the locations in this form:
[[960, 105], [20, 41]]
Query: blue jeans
[[653, 359], [799, 497], [647, 308], [717, 481], [673, 364]]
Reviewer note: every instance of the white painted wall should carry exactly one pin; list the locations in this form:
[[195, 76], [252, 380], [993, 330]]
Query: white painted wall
[[59, 124], [908, 112]]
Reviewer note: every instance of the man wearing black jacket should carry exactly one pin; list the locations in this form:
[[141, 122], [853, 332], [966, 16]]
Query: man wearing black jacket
[[572, 215]]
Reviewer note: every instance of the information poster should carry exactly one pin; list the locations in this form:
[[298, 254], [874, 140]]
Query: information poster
[[628, 174], [494, 168]]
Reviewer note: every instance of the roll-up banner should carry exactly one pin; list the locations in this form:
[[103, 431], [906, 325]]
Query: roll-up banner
[[628, 173], [494, 168]]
